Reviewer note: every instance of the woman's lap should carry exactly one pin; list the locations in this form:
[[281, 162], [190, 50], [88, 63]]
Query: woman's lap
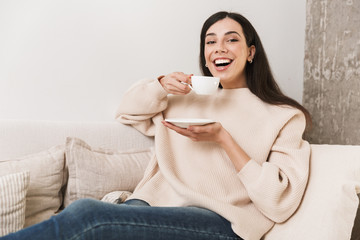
[[91, 219]]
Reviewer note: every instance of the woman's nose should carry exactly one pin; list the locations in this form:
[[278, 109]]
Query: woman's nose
[[221, 48]]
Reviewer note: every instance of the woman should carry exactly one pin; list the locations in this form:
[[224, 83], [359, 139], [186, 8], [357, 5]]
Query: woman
[[232, 179]]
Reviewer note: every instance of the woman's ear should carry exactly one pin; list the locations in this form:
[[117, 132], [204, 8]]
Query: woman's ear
[[252, 51]]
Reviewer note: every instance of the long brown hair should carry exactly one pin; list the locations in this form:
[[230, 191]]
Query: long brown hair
[[259, 77]]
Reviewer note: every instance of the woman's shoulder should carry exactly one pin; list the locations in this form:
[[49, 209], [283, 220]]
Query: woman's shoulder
[[275, 112], [281, 108], [288, 111]]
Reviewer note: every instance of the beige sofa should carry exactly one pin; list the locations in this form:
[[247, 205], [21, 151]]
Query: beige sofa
[[54, 163]]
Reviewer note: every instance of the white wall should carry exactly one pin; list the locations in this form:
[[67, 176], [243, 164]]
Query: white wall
[[72, 59]]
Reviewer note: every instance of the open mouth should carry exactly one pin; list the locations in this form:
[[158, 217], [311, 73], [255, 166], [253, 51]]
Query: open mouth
[[222, 62]]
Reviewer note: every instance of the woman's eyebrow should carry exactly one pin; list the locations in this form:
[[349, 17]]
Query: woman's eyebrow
[[210, 34], [231, 32], [227, 33]]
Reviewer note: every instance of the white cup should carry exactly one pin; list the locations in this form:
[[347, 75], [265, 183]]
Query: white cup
[[204, 85]]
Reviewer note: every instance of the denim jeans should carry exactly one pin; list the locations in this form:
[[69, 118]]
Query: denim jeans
[[90, 219]]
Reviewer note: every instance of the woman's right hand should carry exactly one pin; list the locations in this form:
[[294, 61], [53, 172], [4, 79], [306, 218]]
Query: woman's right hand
[[174, 83]]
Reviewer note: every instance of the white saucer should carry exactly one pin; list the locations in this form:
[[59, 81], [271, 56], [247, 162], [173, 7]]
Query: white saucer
[[185, 122]]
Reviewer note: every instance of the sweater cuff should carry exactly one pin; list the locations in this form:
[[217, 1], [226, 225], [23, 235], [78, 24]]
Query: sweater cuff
[[160, 91], [250, 173]]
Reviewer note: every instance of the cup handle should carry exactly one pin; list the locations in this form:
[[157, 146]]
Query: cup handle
[[187, 84]]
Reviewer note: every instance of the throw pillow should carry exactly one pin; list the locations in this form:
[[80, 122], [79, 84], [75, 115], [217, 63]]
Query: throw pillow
[[94, 172], [13, 188], [330, 201], [46, 168]]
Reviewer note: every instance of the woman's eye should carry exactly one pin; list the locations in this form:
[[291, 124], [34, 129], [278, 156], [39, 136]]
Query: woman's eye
[[210, 42], [233, 40]]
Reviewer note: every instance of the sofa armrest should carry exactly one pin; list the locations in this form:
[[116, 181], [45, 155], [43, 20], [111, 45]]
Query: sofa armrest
[[330, 202]]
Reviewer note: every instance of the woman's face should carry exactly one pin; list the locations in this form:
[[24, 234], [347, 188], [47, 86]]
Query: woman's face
[[226, 53]]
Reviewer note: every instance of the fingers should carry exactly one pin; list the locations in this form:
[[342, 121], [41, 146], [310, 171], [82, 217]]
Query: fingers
[[182, 77], [208, 132], [175, 128], [172, 83], [211, 128], [175, 83], [183, 131]]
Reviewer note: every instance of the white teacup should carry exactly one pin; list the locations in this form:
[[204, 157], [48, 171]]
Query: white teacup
[[204, 85]]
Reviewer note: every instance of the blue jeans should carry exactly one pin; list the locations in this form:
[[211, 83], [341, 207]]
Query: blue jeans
[[90, 219]]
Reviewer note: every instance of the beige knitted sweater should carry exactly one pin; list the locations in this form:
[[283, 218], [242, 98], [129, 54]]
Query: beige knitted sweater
[[185, 173]]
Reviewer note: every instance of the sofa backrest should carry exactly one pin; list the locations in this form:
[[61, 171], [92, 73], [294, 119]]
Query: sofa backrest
[[22, 137]]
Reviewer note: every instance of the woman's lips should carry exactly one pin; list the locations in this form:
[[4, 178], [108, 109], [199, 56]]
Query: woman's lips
[[221, 64]]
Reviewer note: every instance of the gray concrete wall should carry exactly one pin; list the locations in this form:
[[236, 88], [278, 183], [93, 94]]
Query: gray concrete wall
[[332, 71]]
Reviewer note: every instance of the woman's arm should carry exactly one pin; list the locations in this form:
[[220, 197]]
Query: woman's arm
[[276, 187], [140, 104], [143, 103]]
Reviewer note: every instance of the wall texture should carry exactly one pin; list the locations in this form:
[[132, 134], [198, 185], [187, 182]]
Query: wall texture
[[332, 71]]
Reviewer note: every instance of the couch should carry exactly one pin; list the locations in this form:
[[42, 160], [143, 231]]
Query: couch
[[46, 165]]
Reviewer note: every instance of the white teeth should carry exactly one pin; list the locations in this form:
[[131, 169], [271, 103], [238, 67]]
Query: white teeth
[[221, 61]]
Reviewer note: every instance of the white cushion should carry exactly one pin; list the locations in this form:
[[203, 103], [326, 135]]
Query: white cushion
[[330, 202], [13, 188]]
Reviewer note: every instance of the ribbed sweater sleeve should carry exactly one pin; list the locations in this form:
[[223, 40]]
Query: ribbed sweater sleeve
[[142, 105], [276, 186]]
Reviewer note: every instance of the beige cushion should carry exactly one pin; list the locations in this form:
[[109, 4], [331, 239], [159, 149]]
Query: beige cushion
[[13, 188], [94, 172], [330, 202], [46, 168]]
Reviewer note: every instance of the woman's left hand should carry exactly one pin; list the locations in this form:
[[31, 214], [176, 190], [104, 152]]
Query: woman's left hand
[[212, 132], [215, 132]]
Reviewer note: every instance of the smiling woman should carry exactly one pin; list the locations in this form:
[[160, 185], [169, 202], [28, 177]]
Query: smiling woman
[[232, 177]]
